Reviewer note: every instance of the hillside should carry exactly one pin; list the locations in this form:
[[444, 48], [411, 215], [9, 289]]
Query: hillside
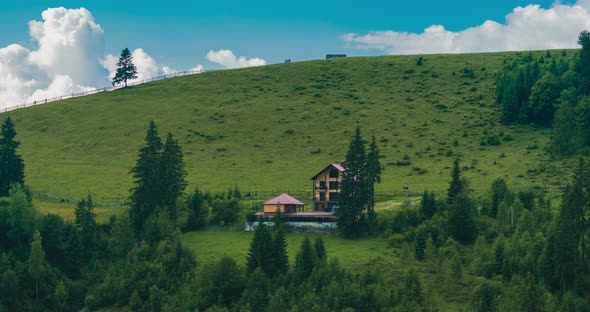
[[269, 129]]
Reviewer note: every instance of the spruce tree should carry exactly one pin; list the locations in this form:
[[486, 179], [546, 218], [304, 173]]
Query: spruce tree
[[567, 236], [352, 198], [12, 167], [305, 261], [37, 265], [456, 185], [583, 62], [198, 211], [320, 249], [427, 205], [87, 227], [126, 70], [462, 222], [499, 190], [172, 175], [373, 174], [279, 250], [260, 254], [146, 193]]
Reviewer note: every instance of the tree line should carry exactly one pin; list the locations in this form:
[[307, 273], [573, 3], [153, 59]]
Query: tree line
[[551, 90]]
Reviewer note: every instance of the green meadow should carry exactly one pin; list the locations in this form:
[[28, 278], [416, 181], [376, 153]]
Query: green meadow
[[269, 129]]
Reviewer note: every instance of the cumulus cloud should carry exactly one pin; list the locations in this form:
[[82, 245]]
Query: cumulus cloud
[[68, 57], [228, 60], [525, 28], [67, 41]]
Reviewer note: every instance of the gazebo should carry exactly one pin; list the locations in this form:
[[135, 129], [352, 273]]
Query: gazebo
[[284, 203]]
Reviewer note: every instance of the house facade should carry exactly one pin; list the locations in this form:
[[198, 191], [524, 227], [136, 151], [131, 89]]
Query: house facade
[[326, 186]]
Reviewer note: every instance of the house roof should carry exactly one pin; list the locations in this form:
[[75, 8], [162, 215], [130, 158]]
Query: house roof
[[338, 167], [283, 199]]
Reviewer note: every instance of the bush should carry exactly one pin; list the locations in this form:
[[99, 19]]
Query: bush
[[225, 211]]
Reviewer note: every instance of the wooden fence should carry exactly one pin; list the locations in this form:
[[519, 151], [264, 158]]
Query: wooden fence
[[95, 91]]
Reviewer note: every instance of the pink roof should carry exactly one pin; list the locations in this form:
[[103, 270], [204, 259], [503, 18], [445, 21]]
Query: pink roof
[[339, 167], [283, 199]]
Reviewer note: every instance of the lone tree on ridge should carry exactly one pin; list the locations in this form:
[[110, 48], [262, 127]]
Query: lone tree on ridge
[[125, 68]]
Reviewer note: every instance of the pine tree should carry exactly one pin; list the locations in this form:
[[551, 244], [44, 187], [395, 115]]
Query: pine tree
[[121, 240], [172, 174], [456, 185], [37, 265], [567, 236], [352, 198], [427, 205], [462, 221], [279, 250], [305, 261], [87, 227], [60, 297], [373, 173], [12, 167], [126, 70], [320, 249], [198, 212], [146, 193], [499, 189], [260, 254], [583, 61]]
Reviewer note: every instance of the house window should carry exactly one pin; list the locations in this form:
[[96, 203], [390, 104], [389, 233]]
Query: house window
[[322, 185], [322, 196], [333, 196], [334, 185], [334, 173]]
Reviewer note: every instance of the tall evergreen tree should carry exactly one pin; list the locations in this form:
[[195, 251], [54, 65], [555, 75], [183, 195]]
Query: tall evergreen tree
[[499, 190], [260, 254], [456, 185], [583, 61], [172, 175], [279, 250], [567, 236], [146, 193], [198, 211], [462, 222], [428, 205], [305, 260], [37, 265], [373, 173], [352, 198], [320, 249], [12, 167], [126, 70], [87, 227]]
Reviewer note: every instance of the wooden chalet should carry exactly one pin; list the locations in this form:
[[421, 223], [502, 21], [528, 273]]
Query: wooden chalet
[[326, 186]]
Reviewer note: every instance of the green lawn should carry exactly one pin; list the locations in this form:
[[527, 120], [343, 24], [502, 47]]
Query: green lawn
[[358, 255], [269, 129], [212, 244], [66, 210]]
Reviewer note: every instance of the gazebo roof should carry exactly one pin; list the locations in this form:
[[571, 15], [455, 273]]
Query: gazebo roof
[[283, 199]]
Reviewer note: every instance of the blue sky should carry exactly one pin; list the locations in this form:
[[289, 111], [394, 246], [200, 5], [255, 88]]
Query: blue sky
[[180, 33], [51, 48]]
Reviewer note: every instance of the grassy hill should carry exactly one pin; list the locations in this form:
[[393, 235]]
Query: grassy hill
[[269, 129]]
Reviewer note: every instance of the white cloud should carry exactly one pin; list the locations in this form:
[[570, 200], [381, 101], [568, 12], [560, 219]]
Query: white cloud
[[61, 85], [69, 44], [525, 28], [68, 57], [198, 68], [229, 60]]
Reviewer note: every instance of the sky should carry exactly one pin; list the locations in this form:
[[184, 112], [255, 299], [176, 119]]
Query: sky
[[49, 48]]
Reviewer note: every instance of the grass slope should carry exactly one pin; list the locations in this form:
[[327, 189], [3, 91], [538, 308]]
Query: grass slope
[[271, 128]]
